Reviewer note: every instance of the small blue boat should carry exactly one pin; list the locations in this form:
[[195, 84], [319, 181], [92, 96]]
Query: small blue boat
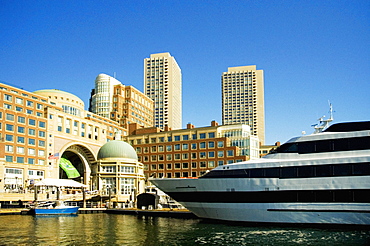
[[56, 208]]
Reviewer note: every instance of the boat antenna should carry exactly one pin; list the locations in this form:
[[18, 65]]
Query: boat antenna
[[324, 123]]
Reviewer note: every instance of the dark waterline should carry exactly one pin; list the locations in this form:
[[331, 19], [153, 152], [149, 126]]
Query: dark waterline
[[113, 229]]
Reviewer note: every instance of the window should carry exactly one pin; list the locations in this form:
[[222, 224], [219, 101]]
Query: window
[[169, 147], [42, 134], [10, 117], [220, 154], [177, 146], [20, 139], [211, 135], [202, 145], [211, 144], [177, 156], [41, 143], [42, 124], [9, 148], [21, 129], [202, 164], [7, 97], [202, 155], [32, 122], [185, 165], [211, 154], [8, 158], [230, 153], [20, 159], [185, 146], [169, 166], [9, 127], [194, 165], [9, 138], [177, 138], [20, 150], [169, 157], [202, 136], [31, 132], [193, 146], [31, 141], [185, 137], [21, 119], [185, 156], [211, 164]]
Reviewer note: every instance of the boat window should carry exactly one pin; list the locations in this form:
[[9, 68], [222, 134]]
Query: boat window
[[288, 172], [342, 170], [361, 169], [305, 171], [287, 148], [256, 173], [272, 172], [323, 171]]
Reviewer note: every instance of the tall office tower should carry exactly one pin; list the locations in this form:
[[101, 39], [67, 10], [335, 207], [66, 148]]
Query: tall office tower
[[243, 99], [162, 83], [121, 103], [102, 97]]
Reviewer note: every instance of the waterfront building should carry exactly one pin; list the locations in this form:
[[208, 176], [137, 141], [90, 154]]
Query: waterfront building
[[118, 171], [243, 99], [39, 129], [121, 103], [192, 151], [163, 84]]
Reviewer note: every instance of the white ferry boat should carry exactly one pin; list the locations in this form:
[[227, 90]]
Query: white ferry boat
[[322, 178]]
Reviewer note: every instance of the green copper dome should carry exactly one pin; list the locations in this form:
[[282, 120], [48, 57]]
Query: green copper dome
[[117, 149]]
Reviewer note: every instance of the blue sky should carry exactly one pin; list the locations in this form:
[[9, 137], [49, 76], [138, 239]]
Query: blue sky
[[310, 51]]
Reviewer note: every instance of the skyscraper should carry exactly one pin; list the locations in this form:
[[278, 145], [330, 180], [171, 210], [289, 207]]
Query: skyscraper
[[122, 103], [243, 99], [162, 83]]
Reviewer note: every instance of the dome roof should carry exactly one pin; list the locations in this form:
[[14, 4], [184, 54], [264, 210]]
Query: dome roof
[[117, 149]]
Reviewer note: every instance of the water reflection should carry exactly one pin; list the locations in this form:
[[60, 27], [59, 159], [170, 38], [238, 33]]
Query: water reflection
[[106, 229]]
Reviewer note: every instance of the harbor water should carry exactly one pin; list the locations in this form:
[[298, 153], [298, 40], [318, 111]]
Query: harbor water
[[118, 229]]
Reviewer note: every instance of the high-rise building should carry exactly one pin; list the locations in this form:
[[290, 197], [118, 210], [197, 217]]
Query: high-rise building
[[162, 83], [243, 99], [121, 103]]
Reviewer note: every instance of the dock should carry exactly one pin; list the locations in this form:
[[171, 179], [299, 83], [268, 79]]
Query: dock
[[174, 213]]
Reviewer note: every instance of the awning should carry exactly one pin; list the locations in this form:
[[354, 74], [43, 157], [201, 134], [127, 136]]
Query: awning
[[60, 183]]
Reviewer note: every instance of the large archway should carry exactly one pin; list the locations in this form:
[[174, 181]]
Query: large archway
[[81, 157]]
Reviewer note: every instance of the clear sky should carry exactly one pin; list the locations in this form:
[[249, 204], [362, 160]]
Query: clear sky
[[310, 51]]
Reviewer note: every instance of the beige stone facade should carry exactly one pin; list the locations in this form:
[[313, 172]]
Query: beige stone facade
[[163, 84], [243, 99]]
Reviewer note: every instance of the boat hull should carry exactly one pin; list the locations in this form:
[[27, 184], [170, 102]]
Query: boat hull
[[285, 213], [51, 211]]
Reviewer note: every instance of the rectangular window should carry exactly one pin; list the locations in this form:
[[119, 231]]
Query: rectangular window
[[202, 136], [185, 137], [31, 161], [230, 153], [10, 117], [169, 147], [169, 157], [211, 144], [42, 134], [211, 154], [220, 154], [20, 139], [32, 122], [202, 155], [9, 138], [202, 145], [9, 127], [9, 158], [220, 144], [20, 159], [21, 119], [9, 148], [177, 146], [31, 141], [211, 135], [21, 129], [42, 124], [41, 143], [193, 146]]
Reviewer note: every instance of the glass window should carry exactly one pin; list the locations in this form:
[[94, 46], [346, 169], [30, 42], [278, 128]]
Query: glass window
[[10, 117], [211, 135], [202, 136], [32, 122], [185, 146], [177, 138], [9, 127], [31, 141], [41, 143], [193, 146], [202, 145], [20, 139], [211, 144], [177, 146], [220, 154], [211, 154], [230, 153], [42, 134], [21, 119], [20, 159], [169, 147], [8, 158], [202, 155], [185, 137], [9, 138], [42, 124], [21, 129]]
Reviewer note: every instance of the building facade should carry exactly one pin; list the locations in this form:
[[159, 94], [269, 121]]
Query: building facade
[[38, 129], [243, 99], [163, 84], [121, 103], [192, 151]]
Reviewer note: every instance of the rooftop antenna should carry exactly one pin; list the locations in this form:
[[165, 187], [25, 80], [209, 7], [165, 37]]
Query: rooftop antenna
[[324, 123]]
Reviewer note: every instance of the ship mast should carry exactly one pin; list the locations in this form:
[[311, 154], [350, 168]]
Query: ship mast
[[324, 123]]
